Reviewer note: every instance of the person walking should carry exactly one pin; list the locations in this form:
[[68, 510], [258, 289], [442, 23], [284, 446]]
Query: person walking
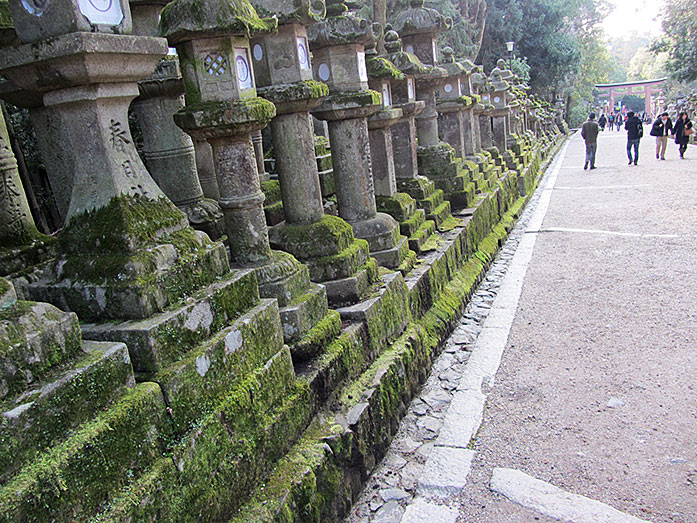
[[589, 132], [602, 121], [661, 128], [683, 130], [634, 133], [611, 121], [618, 121]]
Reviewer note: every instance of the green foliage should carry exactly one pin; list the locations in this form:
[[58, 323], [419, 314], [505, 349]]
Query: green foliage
[[679, 39]]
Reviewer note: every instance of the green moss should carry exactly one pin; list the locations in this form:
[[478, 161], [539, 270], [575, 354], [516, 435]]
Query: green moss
[[343, 265], [400, 205], [272, 191], [305, 90], [379, 67], [96, 380], [126, 224], [188, 19], [328, 237], [72, 480], [363, 98], [318, 338], [232, 115]]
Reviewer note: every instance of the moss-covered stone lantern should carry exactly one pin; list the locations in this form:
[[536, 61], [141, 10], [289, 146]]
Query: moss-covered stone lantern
[[430, 201], [222, 107], [283, 71], [401, 206], [419, 26], [125, 251], [499, 99], [337, 44]]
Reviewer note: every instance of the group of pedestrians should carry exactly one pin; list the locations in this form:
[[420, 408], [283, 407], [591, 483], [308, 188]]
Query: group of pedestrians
[[661, 129]]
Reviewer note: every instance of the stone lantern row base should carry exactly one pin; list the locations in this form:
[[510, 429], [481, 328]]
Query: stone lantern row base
[[412, 221], [439, 164]]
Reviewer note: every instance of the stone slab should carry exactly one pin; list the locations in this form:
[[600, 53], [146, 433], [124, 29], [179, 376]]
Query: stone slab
[[553, 502], [422, 511], [445, 473]]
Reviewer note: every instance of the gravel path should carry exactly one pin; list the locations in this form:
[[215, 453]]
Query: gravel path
[[596, 391]]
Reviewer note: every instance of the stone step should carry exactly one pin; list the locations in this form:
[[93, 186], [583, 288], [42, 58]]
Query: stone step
[[440, 214], [300, 317], [75, 479], [434, 200], [158, 341], [462, 199], [216, 466], [353, 288], [409, 227], [394, 257], [43, 415], [419, 241], [198, 383], [35, 337], [317, 339], [338, 266], [418, 188]]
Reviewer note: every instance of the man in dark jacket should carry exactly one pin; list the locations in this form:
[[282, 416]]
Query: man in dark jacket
[[634, 133], [589, 132], [661, 128]]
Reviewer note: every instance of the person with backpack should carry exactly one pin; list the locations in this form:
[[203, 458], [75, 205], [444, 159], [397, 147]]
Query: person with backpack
[[602, 121], [661, 128], [683, 130], [635, 131], [611, 121], [589, 132]]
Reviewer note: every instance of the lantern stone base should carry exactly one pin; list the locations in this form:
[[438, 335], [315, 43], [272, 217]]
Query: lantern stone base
[[412, 221], [129, 259], [439, 163], [428, 198], [332, 254]]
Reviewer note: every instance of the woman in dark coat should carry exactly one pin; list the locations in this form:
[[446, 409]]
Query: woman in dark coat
[[681, 138]]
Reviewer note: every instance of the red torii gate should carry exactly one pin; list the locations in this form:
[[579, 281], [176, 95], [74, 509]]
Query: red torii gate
[[640, 87]]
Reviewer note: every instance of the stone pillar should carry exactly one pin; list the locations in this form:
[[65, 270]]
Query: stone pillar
[[419, 26], [17, 226], [404, 92], [338, 48], [223, 107], [169, 152], [206, 169], [259, 154], [499, 118], [119, 250]]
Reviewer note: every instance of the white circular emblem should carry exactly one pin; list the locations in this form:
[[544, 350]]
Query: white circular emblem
[[242, 69], [323, 72], [448, 88], [302, 55], [410, 49], [497, 99], [258, 52]]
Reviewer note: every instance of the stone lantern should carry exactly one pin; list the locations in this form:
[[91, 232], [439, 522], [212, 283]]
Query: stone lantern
[[451, 103], [499, 118], [119, 257], [337, 44], [401, 206], [168, 151], [223, 108], [17, 229], [283, 71], [419, 27], [430, 201], [480, 82]]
